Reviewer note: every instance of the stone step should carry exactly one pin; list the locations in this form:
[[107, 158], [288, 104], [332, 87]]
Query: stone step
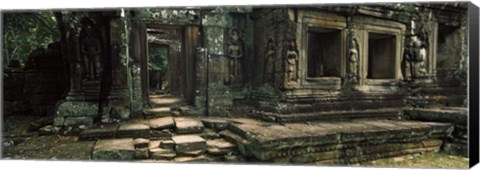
[[189, 145], [453, 115], [331, 115], [114, 149], [157, 112], [184, 125], [316, 141], [164, 100]]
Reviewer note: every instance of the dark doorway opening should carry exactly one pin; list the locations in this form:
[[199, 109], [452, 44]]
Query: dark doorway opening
[[158, 67], [381, 56], [324, 52]]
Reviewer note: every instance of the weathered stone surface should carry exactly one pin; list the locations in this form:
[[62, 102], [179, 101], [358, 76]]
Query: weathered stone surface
[[133, 129], [191, 153], [219, 147], [217, 124], [188, 125], [159, 153], [157, 112], [141, 153], [114, 149], [99, 132], [160, 134], [201, 158], [187, 143], [141, 143], [209, 134], [232, 158], [76, 109], [161, 123], [167, 144], [77, 121], [454, 115], [154, 144], [456, 149]]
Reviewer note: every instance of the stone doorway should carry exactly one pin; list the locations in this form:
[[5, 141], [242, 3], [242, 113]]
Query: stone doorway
[[171, 60]]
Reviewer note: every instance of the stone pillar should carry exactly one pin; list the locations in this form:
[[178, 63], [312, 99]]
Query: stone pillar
[[118, 96], [81, 107]]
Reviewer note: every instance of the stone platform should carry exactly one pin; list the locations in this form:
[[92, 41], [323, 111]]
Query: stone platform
[[341, 142], [215, 139]]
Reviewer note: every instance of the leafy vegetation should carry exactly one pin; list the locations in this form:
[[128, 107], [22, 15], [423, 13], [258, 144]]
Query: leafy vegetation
[[25, 31]]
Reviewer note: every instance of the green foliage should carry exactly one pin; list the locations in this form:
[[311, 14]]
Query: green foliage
[[158, 59], [23, 32]]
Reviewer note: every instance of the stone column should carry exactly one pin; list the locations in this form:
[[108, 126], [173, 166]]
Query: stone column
[[118, 95]]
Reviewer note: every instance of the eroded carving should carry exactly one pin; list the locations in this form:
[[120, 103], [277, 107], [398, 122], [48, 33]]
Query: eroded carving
[[269, 61], [90, 49], [353, 59], [291, 66], [235, 54]]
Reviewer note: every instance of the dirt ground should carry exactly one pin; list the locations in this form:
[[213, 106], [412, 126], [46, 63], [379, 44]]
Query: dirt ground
[[19, 143]]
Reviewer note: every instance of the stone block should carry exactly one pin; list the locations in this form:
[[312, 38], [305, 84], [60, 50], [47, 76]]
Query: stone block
[[159, 153], [167, 144], [188, 125], [188, 143], [114, 149], [209, 134], [160, 134], [217, 124], [141, 153], [161, 123], [201, 158], [141, 143], [133, 129], [76, 109], [219, 147], [77, 121], [154, 144]]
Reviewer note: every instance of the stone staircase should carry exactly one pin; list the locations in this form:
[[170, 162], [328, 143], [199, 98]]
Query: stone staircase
[[160, 137], [161, 105], [167, 138]]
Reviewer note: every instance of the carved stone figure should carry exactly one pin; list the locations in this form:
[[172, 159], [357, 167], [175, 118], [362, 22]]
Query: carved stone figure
[[353, 60], [269, 61], [291, 63], [235, 53], [90, 49], [415, 56]]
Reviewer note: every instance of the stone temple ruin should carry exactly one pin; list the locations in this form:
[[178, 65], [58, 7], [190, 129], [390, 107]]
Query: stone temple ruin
[[302, 84]]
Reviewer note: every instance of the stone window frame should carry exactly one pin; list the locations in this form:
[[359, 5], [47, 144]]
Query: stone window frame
[[380, 26], [314, 22]]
